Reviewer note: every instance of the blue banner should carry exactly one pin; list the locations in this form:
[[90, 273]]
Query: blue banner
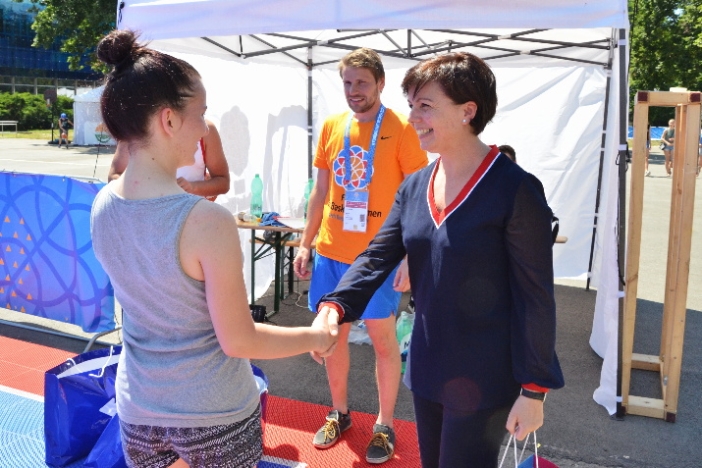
[[656, 132], [47, 262]]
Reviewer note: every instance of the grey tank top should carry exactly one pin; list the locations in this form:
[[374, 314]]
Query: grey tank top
[[172, 371]]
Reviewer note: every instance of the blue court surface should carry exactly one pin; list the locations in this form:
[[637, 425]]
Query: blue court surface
[[22, 433]]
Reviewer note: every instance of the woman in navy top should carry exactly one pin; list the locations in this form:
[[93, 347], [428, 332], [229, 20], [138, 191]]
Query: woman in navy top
[[477, 232]]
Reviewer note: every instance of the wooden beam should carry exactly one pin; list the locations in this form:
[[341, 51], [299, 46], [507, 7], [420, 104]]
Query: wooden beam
[[667, 98], [642, 406], [684, 180], [646, 362], [633, 244]]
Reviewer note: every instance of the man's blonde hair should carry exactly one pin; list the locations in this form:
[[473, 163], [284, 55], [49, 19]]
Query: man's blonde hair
[[364, 58]]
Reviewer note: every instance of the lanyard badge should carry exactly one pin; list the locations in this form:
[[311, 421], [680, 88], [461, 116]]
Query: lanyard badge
[[356, 191]]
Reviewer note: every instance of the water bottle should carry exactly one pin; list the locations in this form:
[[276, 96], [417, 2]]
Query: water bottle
[[404, 333], [257, 197], [308, 191]]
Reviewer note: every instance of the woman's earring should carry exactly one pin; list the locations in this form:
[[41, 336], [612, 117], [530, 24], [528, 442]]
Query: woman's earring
[[464, 120]]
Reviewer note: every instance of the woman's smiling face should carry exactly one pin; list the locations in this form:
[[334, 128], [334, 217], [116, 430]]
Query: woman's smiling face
[[438, 121]]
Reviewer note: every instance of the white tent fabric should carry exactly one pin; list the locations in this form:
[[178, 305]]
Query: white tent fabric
[[552, 89], [88, 126]]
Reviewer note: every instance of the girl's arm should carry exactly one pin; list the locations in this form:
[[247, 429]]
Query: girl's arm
[[210, 251]]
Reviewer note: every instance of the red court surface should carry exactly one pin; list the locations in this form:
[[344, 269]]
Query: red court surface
[[290, 424]]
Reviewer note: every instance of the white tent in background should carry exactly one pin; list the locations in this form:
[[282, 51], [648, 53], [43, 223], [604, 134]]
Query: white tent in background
[[269, 67], [87, 120]]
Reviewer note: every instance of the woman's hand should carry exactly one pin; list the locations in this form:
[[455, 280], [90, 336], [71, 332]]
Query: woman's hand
[[327, 324], [185, 185], [526, 415]]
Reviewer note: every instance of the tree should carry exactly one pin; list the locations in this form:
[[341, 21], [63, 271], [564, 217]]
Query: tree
[[77, 24], [666, 48]]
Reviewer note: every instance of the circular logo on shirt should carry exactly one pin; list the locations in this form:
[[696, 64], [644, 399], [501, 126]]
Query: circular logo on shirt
[[359, 166]]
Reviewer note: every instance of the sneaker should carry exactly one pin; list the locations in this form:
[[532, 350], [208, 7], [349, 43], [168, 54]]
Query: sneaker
[[330, 433], [648, 173], [382, 446]]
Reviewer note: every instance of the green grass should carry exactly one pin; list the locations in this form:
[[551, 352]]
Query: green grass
[[31, 134]]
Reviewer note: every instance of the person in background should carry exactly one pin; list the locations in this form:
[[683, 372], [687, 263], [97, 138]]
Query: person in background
[[668, 139], [63, 123], [509, 152], [208, 177], [347, 207], [185, 391], [476, 231]]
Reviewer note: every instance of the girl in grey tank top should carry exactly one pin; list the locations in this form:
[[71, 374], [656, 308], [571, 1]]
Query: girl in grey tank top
[[175, 262]]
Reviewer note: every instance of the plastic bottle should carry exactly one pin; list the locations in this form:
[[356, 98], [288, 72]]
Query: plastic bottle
[[404, 333], [257, 197], [308, 191]]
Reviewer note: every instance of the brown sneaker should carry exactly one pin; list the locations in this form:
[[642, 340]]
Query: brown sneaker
[[330, 433], [382, 446]]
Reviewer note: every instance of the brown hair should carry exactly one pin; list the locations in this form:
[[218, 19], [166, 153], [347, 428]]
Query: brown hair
[[463, 77], [364, 58], [508, 151], [142, 82]]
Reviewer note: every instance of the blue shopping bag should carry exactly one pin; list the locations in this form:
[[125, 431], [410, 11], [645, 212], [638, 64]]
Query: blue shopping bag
[[79, 400], [107, 452]]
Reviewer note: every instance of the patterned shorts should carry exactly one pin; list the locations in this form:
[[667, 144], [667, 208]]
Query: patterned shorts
[[238, 445]]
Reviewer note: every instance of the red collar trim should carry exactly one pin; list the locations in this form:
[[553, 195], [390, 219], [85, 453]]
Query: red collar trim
[[440, 216]]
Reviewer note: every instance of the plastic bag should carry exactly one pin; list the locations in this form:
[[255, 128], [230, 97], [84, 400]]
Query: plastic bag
[[403, 327], [107, 452], [359, 334], [78, 404]]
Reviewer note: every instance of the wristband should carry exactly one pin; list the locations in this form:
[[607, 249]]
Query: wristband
[[533, 395], [339, 310]]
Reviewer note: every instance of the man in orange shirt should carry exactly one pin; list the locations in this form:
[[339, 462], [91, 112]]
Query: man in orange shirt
[[362, 157]]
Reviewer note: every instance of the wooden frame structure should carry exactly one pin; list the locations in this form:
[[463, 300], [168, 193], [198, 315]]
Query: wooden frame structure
[[669, 363]]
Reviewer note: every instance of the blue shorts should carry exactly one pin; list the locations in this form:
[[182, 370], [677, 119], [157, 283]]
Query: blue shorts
[[326, 276]]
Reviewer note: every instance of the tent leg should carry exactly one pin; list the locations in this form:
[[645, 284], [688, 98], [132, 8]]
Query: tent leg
[[623, 162], [310, 151], [599, 173]]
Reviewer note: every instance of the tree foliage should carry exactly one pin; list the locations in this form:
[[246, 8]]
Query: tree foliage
[[30, 110], [666, 48], [78, 25]]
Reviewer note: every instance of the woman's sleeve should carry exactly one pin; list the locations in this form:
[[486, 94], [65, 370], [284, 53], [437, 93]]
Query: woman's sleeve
[[533, 324], [372, 267]]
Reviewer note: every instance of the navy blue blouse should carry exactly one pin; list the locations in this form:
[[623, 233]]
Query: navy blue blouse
[[482, 281]]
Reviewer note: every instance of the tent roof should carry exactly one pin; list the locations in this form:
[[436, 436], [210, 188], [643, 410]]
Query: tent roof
[[239, 29], [167, 19]]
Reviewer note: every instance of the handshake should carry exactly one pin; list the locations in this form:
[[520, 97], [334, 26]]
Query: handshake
[[326, 330]]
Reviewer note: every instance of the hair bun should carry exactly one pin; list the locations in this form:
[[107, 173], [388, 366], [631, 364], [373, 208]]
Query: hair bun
[[118, 47]]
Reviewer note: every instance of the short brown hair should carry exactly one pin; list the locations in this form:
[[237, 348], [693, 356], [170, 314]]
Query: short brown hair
[[463, 77], [364, 58]]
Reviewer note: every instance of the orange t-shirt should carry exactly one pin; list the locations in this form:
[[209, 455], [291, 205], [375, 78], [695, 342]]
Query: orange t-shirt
[[397, 153]]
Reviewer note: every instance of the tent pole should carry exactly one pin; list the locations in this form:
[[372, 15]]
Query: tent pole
[[309, 113], [623, 162], [599, 173], [599, 183]]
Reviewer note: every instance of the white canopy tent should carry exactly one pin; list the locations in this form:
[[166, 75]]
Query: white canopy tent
[[89, 129], [269, 67]]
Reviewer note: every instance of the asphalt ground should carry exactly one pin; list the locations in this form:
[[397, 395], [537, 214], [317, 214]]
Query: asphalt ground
[[577, 433]]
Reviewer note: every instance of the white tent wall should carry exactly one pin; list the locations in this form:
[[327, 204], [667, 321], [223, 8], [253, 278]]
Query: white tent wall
[[551, 110]]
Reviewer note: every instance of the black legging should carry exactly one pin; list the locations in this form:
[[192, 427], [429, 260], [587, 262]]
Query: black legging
[[455, 439]]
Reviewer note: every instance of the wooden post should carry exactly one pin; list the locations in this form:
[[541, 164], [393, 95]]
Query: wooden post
[[634, 239], [669, 363]]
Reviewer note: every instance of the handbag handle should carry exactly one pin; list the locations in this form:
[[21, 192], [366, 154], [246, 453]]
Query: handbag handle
[[518, 460]]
